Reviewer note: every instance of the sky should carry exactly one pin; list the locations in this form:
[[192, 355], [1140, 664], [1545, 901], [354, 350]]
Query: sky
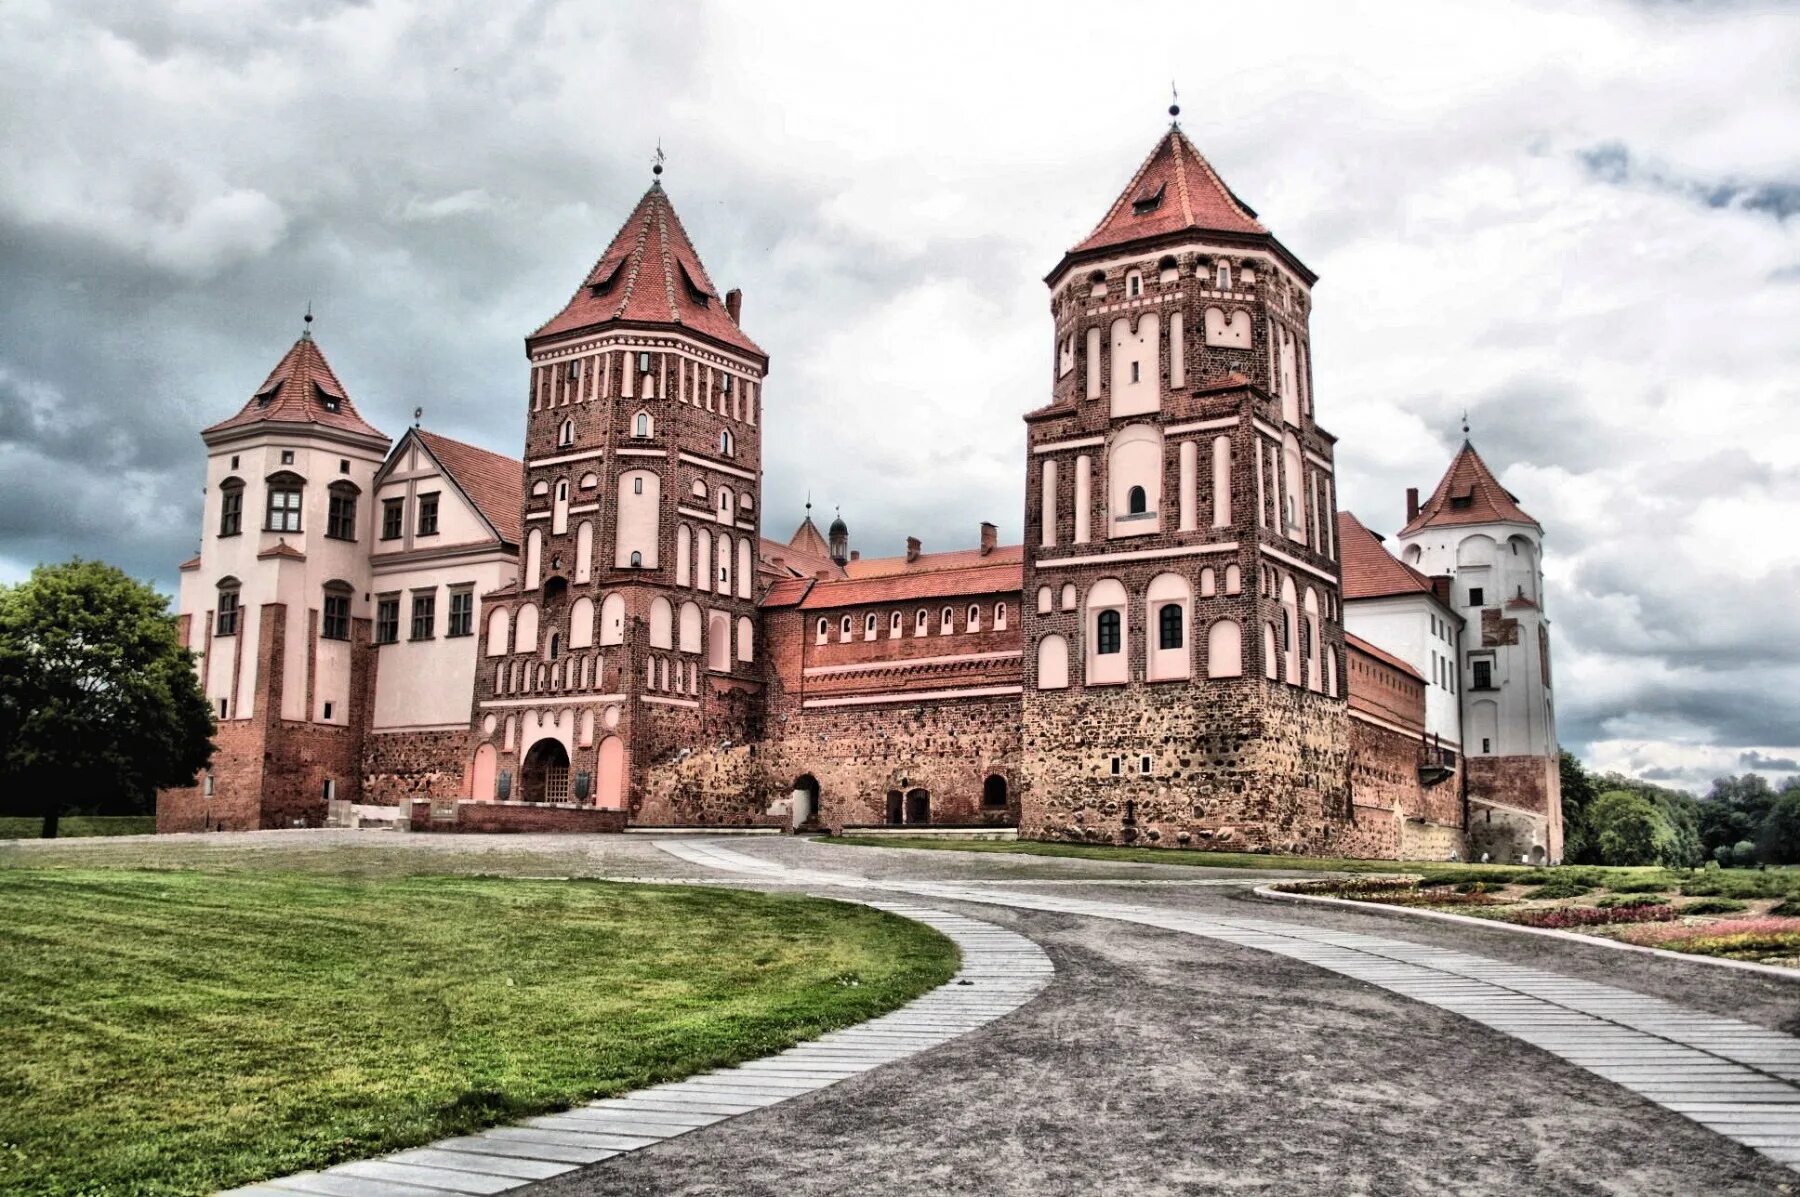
[[1580, 223]]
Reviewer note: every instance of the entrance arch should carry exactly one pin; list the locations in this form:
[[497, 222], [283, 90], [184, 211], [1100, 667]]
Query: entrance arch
[[805, 795], [544, 774], [918, 806], [993, 792], [481, 776], [895, 806], [610, 793]]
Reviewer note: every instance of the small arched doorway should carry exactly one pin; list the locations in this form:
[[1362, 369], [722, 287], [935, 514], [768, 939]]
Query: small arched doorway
[[481, 780], [918, 806], [993, 792], [610, 793], [895, 806], [544, 774], [805, 795]]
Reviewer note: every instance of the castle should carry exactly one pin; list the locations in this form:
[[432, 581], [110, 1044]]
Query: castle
[[1192, 647]]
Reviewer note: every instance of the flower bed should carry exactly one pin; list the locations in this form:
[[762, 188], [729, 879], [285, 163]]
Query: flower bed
[[1563, 918], [1735, 939]]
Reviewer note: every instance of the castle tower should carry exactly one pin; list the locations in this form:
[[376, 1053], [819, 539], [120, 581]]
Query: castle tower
[[276, 602], [840, 540], [1473, 530], [631, 633], [1183, 646]]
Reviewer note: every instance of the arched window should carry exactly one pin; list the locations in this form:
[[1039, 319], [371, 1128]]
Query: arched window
[[1224, 650], [565, 436], [1208, 582], [869, 626], [844, 628], [1168, 626], [662, 623], [947, 621], [921, 623], [999, 617], [1136, 502], [340, 515], [1234, 579], [1053, 663], [894, 624], [231, 507], [227, 623], [973, 623], [746, 646], [581, 623], [993, 792], [727, 446], [824, 631], [641, 425], [1044, 600], [285, 491], [1068, 596], [1107, 639], [499, 632], [555, 645], [637, 559], [690, 624]]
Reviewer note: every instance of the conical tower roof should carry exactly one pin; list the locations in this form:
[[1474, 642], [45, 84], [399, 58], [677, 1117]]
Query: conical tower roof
[[1469, 494], [301, 389], [1175, 190], [651, 275]]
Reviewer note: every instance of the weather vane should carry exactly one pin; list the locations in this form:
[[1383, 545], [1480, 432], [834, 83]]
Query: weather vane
[[306, 333], [1174, 102], [418, 414], [1465, 422], [656, 167]]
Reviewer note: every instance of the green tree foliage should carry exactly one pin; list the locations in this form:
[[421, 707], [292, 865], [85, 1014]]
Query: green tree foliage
[[99, 704], [1735, 810], [1779, 841], [1630, 829], [1577, 797]]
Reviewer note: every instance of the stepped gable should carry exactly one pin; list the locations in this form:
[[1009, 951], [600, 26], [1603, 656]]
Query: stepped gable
[[1469, 494], [1175, 190], [651, 275], [301, 389], [1370, 571], [494, 482]]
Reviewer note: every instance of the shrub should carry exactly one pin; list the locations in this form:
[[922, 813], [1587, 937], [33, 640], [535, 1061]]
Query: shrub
[[1712, 866], [1630, 901], [1787, 906], [1743, 854], [1644, 885], [1557, 889], [1714, 906], [1563, 917]]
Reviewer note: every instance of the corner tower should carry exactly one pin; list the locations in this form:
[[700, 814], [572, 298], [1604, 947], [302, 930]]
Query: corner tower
[[1473, 530], [1184, 668], [631, 631]]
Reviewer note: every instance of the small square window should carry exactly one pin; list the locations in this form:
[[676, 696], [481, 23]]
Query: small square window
[[234, 462], [1476, 595], [343, 465], [287, 457]]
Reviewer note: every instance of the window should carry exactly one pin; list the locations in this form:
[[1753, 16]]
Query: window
[[921, 623], [1475, 596], [637, 559], [1134, 287], [231, 508], [894, 624], [1143, 764], [1484, 674], [824, 630], [565, 436], [1168, 621], [869, 626], [947, 621], [1107, 633], [335, 622], [973, 622], [1224, 276], [556, 647], [575, 370], [287, 457], [637, 486], [1000, 617], [1136, 502], [643, 363], [1118, 765], [1134, 371], [725, 445], [462, 613], [393, 516], [387, 619], [844, 628], [343, 465], [340, 519], [424, 615], [642, 427], [328, 717], [228, 611], [428, 513], [284, 504]]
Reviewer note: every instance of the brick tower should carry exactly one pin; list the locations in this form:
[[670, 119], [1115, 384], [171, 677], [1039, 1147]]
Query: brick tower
[[1183, 645], [276, 603], [631, 632]]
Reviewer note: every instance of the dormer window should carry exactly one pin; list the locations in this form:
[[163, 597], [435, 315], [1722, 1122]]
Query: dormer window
[[268, 396], [1146, 204], [604, 283], [1462, 500]]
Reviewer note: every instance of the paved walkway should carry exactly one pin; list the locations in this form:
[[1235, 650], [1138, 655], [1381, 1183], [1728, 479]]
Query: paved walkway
[[1197, 1040]]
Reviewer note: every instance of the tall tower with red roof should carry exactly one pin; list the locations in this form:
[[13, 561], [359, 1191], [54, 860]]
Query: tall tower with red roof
[[1184, 669], [1472, 530], [276, 603], [631, 633]]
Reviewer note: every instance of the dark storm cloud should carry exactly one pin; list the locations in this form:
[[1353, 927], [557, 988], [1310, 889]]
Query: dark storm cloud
[[1779, 764], [1615, 163]]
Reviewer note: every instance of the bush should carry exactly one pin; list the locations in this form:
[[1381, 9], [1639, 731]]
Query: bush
[[1645, 885], [1629, 829], [1557, 889], [1787, 906], [1714, 906], [1630, 901], [1743, 854], [1564, 917]]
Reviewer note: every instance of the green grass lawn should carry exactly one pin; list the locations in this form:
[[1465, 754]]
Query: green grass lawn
[[79, 825], [180, 1032]]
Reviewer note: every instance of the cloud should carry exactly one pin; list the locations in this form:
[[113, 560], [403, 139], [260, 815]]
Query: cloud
[[1576, 224]]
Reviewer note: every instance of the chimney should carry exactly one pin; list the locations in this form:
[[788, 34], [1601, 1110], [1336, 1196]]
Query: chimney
[[823, 575], [856, 554], [734, 303], [912, 549], [1412, 504], [989, 534]]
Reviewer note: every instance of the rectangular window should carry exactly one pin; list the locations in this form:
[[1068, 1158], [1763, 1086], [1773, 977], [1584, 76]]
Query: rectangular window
[[393, 515], [328, 717], [1118, 765], [284, 508], [1476, 594], [428, 508], [287, 457], [336, 622], [228, 613], [1134, 371], [224, 705], [340, 519], [462, 613], [424, 615], [1107, 633], [387, 619], [231, 511], [1484, 674], [1143, 764]]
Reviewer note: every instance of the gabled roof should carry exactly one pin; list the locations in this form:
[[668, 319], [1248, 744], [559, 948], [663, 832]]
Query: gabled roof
[[1380, 654], [1174, 190], [991, 577], [301, 389], [926, 563], [807, 542], [1370, 571], [1469, 494], [494, 482], [651, 274]]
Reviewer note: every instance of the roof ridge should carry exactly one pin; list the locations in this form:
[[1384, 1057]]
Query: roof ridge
[[1181, 186]]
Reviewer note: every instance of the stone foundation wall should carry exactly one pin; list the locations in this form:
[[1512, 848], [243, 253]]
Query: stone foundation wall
[[1397, 816], [721, 787], [503, 817], [1244, 765], [401, 765]]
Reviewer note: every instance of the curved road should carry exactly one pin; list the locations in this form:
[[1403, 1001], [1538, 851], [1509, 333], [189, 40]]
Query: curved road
[[1245, 1046]]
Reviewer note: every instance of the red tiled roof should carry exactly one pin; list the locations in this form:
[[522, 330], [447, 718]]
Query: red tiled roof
[[925, 563], [1175, 189], [1468, 494], [998, 578], [1381, 654], [1370, 571], [297, 390], [494, 482], [282, 549], [786, 592], [191, 563], [651, 274], [807, 542]]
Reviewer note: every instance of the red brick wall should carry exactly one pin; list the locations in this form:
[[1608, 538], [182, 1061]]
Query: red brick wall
[[1515, 801], [503, 817], [236, 802]]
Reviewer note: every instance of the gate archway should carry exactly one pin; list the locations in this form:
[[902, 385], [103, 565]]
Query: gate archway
[[544, 773]]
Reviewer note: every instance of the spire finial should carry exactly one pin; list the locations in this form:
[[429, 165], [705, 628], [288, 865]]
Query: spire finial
[[1174, 105], [1465, 425], [656, 165], [306, 332], [418, 415]]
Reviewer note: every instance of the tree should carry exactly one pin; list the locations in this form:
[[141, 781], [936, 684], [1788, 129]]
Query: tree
[[1735, 809], [1577, 798], [1779, 842], [99, 703], [1630, 829]]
